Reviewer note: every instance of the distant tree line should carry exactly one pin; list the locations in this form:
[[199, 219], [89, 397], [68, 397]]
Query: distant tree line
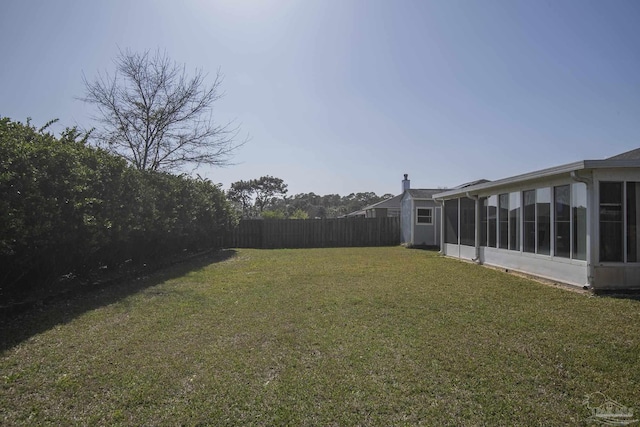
[[68, 208], [327, 206], [266, 197]]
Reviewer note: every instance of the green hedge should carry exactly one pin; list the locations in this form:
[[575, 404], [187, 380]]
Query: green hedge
[[66, 207]]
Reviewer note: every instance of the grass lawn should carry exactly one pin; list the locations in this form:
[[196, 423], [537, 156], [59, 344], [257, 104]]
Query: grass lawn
[[320, 337]]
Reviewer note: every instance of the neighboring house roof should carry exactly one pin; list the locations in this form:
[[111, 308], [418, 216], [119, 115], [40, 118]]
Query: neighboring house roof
[[355, 213], [396, 201], [390, 203], [423, 193], [543, 173], [628, 155]]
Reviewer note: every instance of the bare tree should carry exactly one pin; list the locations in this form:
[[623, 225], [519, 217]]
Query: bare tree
[[158, 118]]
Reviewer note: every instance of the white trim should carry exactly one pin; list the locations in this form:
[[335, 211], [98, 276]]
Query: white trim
[[417, 217], [544, 173]]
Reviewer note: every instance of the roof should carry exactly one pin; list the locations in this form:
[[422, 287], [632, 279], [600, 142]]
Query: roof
[[423, 193], [543, 173], [390, 203], [395, 201], [354, 213], [469, 184], [627, 155]]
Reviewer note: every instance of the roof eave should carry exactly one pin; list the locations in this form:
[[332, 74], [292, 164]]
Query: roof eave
[[385, 201], [544, 173]]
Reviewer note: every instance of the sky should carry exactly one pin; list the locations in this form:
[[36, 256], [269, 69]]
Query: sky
[[346, 96]]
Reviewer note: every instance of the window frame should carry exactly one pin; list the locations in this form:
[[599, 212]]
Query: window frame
[[483, 205], [492, 221], [579, 221], [631, 208], [515, 221], [544, 197], [562, 224], [451, 222], [503, 221], [418, 216], [467, 221], [529, 223], [621, 209]]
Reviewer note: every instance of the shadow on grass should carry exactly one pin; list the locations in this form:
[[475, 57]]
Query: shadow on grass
[[62, 309], [433, 248], [630, 294]]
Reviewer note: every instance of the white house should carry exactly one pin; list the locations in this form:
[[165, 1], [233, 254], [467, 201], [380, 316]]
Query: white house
[[575, 223], [420, 216]]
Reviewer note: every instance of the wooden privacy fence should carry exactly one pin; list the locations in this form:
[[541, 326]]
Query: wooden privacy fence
[[315, 233]]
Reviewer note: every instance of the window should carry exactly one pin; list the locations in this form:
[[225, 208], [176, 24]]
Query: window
[[521, 221], [633, 219], [492, 221], [424, 216], [503, 221], [514, 221], [579, 220], [451, 221], [529, 219], [543, 220], [483, 203], [611, 230], [562, 203], [467, 222], [619, 219]]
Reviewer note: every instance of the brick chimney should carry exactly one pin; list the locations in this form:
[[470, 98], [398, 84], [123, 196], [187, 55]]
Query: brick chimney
[[406, 184]]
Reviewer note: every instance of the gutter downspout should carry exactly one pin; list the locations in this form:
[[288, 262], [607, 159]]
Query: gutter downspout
[[589, 183], [476, 259]]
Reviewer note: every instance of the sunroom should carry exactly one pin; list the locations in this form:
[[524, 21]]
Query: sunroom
[[575, 223]]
